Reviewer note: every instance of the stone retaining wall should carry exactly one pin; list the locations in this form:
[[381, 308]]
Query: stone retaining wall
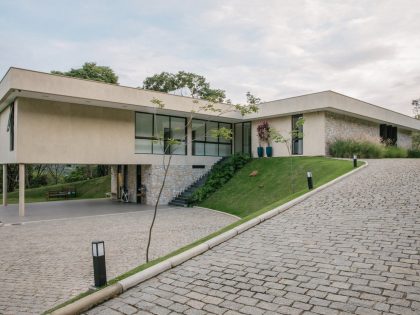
[[178, 179]]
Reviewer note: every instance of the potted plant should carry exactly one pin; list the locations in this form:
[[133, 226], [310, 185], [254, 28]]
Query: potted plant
[[269, 148], [263, 131]]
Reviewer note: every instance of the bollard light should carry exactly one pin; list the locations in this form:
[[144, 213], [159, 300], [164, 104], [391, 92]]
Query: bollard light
[[310, 182], [99, 268], [354, 160]]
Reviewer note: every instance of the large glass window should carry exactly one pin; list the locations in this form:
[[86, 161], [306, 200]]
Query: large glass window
[[206, 143], [297, 142], [11, 127], [243, 138], [154, 131]]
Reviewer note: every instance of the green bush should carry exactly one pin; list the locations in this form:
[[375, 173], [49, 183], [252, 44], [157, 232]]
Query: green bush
[[395, 152], [413, 153], [365, 149], [219, 175]]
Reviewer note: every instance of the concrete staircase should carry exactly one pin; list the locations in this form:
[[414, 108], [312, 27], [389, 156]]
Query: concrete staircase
[[182, 200]]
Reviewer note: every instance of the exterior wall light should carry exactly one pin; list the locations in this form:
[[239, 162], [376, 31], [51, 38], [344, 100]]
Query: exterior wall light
[[310, 182], [99, 268], [354, 160]]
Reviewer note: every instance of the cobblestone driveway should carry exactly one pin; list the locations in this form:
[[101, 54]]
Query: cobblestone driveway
[[351, 249], [43, 264]]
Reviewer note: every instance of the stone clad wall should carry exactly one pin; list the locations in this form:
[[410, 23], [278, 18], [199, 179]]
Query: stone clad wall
[[404, 139], [345, 127], [178, 179]]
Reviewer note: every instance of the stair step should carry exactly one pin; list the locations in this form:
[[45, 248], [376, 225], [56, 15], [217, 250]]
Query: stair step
[[177, 204], [182, 200]]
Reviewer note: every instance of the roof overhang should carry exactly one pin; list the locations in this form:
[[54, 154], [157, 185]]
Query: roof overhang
[[37, 85], [336, 103]]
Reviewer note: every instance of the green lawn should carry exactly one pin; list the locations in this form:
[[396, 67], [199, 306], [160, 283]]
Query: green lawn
[[244, 195], [87, 189]]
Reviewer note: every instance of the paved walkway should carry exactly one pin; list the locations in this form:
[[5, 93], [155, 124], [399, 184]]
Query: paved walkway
[[54, 210], [351, 249], [45, 263]]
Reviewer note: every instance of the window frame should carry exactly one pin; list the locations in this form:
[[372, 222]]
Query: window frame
[[11, 126], [243, 137], [296, 139], [153, 138], [230, 143]]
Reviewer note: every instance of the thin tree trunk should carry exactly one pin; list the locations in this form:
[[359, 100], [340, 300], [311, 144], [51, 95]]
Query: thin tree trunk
[[156, 205]]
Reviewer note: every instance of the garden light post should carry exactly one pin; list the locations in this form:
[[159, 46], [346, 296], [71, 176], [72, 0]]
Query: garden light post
[[310, 182], [354, 160], [99, 268]]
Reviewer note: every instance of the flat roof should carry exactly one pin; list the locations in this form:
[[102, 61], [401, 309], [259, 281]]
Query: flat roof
[[39, 85]]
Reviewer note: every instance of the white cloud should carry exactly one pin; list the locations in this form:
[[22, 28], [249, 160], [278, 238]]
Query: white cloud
[[275, 49]]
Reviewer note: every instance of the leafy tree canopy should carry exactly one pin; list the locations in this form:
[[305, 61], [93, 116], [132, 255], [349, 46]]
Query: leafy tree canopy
[[91, 71], [184, 83]]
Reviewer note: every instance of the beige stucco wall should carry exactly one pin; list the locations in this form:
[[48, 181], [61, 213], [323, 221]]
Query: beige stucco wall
[[282, 125], [313, 130], [314, 134], [7, 156], [67, 133]]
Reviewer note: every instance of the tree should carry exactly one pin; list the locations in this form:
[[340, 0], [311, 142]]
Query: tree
[[277, 137], [91, 71], [185, 84], [56, 171], [210, 106]]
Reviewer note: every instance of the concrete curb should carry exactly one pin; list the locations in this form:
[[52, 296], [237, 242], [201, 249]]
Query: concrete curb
[[121, 286], [90, 301]]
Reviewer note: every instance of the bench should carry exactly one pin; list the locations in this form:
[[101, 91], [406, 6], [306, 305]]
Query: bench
[[66, 193]]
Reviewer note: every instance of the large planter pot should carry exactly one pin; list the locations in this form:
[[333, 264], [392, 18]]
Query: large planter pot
[[269, 151], [260, 151]]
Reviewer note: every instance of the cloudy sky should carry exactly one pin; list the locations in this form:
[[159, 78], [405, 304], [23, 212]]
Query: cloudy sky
[[273, 48]]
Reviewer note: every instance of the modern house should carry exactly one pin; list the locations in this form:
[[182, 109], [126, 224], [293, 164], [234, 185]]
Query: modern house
[[52, 119]]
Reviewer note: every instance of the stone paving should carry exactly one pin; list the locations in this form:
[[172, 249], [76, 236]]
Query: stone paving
[[45, 263], [351, 249]]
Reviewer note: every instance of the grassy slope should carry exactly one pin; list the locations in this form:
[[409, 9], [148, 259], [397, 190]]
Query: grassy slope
[[243, 194], [92, 188]]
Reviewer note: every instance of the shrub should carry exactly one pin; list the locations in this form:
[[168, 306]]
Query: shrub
[[219, 175], [365, 149], [395, 152], [413, 153]]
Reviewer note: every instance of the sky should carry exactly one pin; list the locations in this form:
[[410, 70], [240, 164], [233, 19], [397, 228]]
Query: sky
[[275, 49]]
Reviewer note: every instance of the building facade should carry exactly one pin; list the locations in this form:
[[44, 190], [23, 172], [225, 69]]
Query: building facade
[[51, 119]]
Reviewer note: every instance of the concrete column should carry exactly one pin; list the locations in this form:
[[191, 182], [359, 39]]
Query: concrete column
[[5, 184], [21, 190]]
